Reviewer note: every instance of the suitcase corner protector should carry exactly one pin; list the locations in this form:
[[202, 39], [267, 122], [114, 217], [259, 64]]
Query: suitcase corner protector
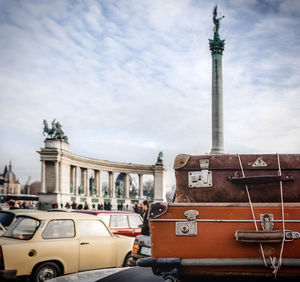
[[157, 209], [181, 160]]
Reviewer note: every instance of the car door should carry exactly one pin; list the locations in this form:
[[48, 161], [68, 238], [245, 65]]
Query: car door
[[59, 243], [97, 247]]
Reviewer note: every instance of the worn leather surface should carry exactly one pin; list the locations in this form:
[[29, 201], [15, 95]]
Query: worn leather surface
[[224, 167]]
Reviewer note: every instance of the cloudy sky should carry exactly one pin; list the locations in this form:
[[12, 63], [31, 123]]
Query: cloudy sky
[[129, 78]]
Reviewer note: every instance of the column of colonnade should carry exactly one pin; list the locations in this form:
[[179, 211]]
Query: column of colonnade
[[111, 184], [97, 177], [56, 177], [43, 177], [75, 183], [141, 186], [75, 190], [97, 182], [126, 186]]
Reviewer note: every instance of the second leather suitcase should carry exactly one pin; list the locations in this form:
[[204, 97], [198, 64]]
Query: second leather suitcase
[[222, 178]]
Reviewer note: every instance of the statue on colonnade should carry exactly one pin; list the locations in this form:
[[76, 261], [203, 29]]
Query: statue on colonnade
[[55, 132]]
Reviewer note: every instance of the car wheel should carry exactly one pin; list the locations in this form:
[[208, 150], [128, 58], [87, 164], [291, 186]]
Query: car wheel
[[45, 271], [156, 271], [126, 260]]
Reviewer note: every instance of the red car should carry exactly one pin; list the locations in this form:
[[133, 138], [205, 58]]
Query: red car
[[119, 222]]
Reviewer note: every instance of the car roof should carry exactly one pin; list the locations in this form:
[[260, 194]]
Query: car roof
[[20, 211], [57, 215], [103, 212]]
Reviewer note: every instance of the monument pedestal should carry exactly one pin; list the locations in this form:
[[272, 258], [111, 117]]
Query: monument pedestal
[[159, 185], [56, 144]]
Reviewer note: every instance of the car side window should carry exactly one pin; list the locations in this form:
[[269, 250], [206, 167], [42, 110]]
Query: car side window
[[119, 221], [134, 221], [91, 228], [59, 228]]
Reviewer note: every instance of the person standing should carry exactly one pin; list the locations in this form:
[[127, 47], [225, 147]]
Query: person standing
[[74, 205], [145, 227], [86, 206], [136, 208], [11, 205]]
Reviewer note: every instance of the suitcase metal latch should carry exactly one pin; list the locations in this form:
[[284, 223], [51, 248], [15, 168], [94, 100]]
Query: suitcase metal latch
[[188, 227], [266, 220], [202, 178]]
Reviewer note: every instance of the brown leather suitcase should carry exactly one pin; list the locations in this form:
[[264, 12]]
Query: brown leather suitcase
[[223, 178], [223, 239], [236, 215]]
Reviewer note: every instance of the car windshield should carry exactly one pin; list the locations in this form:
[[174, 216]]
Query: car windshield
[[6, 218], [24, 228]]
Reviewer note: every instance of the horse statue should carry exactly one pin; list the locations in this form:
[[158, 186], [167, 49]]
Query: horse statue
[[47, 130], [55, 132]]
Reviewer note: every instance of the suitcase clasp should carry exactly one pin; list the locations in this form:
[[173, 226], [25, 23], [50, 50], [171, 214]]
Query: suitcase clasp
[[188, 227], [266, 220], [202, 178]]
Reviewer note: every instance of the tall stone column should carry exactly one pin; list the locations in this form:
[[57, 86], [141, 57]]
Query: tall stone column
[[217, 46], [111, 184], [43, 178], [83, 180], [60, 188], [87, 182], [141, 196], [56, 172], [97, 182], [75, 181], [126, 186]]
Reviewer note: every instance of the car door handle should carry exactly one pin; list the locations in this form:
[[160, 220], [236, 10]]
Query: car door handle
[[84, 243]]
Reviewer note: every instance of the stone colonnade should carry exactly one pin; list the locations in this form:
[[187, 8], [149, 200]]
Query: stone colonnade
[[65, 178]]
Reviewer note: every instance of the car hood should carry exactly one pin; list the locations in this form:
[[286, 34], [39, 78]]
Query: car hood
[[9, 241]]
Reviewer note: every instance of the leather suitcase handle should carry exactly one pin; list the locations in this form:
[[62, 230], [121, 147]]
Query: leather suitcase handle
[[247, 236], [260, 179]]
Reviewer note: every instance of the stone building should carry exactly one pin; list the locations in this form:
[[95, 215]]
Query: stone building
[[9, 184], [66, 177]]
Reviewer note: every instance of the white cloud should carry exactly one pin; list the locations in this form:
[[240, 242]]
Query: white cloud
[[130, 78]]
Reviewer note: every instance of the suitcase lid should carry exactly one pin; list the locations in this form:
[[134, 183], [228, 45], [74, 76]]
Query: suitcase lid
[[231, 162]]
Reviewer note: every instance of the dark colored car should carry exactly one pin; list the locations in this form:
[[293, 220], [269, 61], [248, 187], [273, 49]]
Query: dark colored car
[[119, 222], [141, 248]]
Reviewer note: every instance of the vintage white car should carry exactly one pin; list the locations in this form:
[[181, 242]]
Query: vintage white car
[[46, 245]]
